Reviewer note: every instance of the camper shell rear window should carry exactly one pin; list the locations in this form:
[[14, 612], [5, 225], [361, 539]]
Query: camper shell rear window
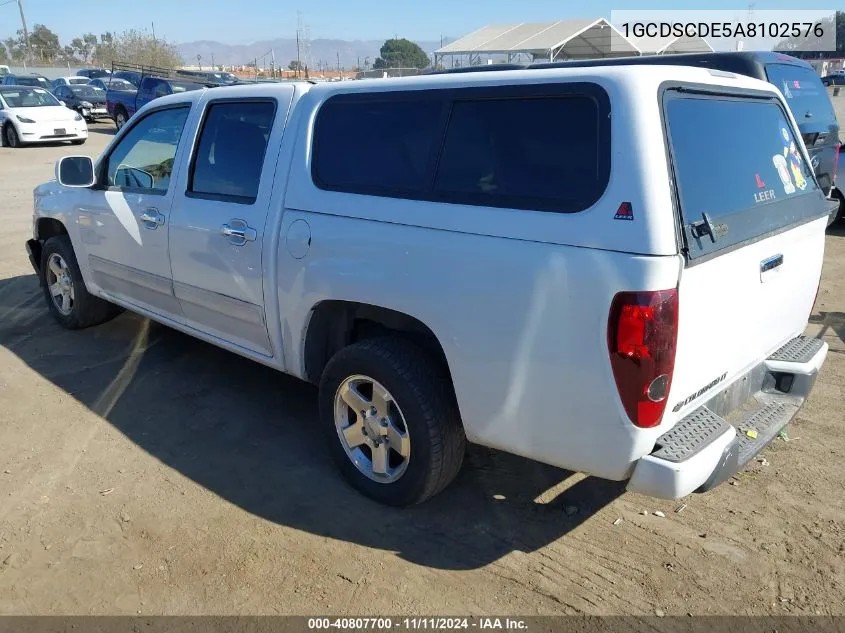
[[740, 174]]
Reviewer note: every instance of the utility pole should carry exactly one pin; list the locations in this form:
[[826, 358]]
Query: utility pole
[[25, 30], [213, 67], [338, 64], [298, 58]]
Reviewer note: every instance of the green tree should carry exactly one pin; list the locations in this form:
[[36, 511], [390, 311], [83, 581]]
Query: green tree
[[84, 47], [15, 47], [104, 51], [4, 56], [295, 64], [137, 47], [803, 47], [401, 53], [44, 44]]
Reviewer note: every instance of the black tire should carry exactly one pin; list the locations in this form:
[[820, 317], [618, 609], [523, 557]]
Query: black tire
[[86, 309], [422, 390], [120, 117], [10, 136], [78, 141], [840, 214]]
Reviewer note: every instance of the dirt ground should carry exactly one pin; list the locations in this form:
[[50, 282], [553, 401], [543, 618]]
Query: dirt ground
[[142, 471]]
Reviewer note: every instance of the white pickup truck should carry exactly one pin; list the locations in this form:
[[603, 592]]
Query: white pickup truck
[[605, 269]]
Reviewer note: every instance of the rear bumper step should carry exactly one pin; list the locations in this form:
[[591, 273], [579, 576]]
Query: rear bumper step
[[719, 438]]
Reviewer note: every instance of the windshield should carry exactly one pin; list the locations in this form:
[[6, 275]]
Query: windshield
[[20, 97], [77, 81], [805, 94], [87, 92]]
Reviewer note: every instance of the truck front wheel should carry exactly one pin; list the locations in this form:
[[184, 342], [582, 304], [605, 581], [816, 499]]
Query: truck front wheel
[[391, 420], [68, 300]]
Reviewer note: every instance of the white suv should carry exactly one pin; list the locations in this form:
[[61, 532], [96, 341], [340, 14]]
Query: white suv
[[606, 269]]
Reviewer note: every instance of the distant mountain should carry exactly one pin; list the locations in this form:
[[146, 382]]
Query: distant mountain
[[322, 50]]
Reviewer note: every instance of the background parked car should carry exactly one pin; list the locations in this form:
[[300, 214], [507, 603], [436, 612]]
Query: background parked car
[[37, 81], [834, 79], [112, 83], [211, 77], [89, 101], [69, 81], [93, 73], [33, 115]]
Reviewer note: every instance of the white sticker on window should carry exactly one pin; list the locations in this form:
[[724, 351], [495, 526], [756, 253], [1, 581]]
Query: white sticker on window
[[780, 164]]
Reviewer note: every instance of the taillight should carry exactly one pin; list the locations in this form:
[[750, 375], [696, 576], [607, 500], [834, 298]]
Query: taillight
[[642, 334]]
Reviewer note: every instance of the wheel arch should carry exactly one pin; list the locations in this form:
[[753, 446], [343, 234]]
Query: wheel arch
[[45, 228], [334, 324]]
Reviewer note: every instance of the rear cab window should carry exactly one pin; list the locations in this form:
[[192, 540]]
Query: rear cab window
[[739, 172]]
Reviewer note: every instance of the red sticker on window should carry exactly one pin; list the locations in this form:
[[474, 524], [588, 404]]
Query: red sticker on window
[[760, 183]]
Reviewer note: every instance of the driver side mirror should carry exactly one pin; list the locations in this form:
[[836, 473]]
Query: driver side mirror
[[75, 171]]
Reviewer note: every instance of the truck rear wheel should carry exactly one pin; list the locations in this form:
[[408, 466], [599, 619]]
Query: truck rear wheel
[[68, 300], [391, 421], [120, 118]]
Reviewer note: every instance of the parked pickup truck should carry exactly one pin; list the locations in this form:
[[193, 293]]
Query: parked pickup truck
[[619, 295], [122, 104]]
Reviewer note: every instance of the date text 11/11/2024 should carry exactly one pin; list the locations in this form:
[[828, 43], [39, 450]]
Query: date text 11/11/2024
[[417, 623]]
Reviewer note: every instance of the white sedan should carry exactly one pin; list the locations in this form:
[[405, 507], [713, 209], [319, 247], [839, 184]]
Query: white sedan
[[33, 115], [70, 81]]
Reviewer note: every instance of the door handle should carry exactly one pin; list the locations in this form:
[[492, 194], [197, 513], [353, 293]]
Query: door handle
[[152, 219], [238, 232]]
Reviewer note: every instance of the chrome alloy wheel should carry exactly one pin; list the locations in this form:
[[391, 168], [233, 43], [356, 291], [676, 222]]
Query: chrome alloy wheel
[[372, 429], [60, 283]]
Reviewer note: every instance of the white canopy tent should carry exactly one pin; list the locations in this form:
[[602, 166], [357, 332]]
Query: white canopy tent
[[552, 41]]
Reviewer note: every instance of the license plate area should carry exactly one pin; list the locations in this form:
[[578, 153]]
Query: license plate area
[[59, 131]]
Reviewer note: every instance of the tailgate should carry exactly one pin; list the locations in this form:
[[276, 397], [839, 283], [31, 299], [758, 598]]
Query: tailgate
[[753, 221]]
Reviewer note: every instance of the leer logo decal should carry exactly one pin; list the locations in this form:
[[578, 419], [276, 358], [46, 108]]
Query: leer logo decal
[[624, 212]]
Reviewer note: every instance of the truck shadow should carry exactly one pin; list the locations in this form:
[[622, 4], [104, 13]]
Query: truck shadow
[[834, 321], [249, 434], [106, 128]]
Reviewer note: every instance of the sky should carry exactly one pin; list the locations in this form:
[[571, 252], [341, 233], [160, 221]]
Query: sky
[[247, 22]]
